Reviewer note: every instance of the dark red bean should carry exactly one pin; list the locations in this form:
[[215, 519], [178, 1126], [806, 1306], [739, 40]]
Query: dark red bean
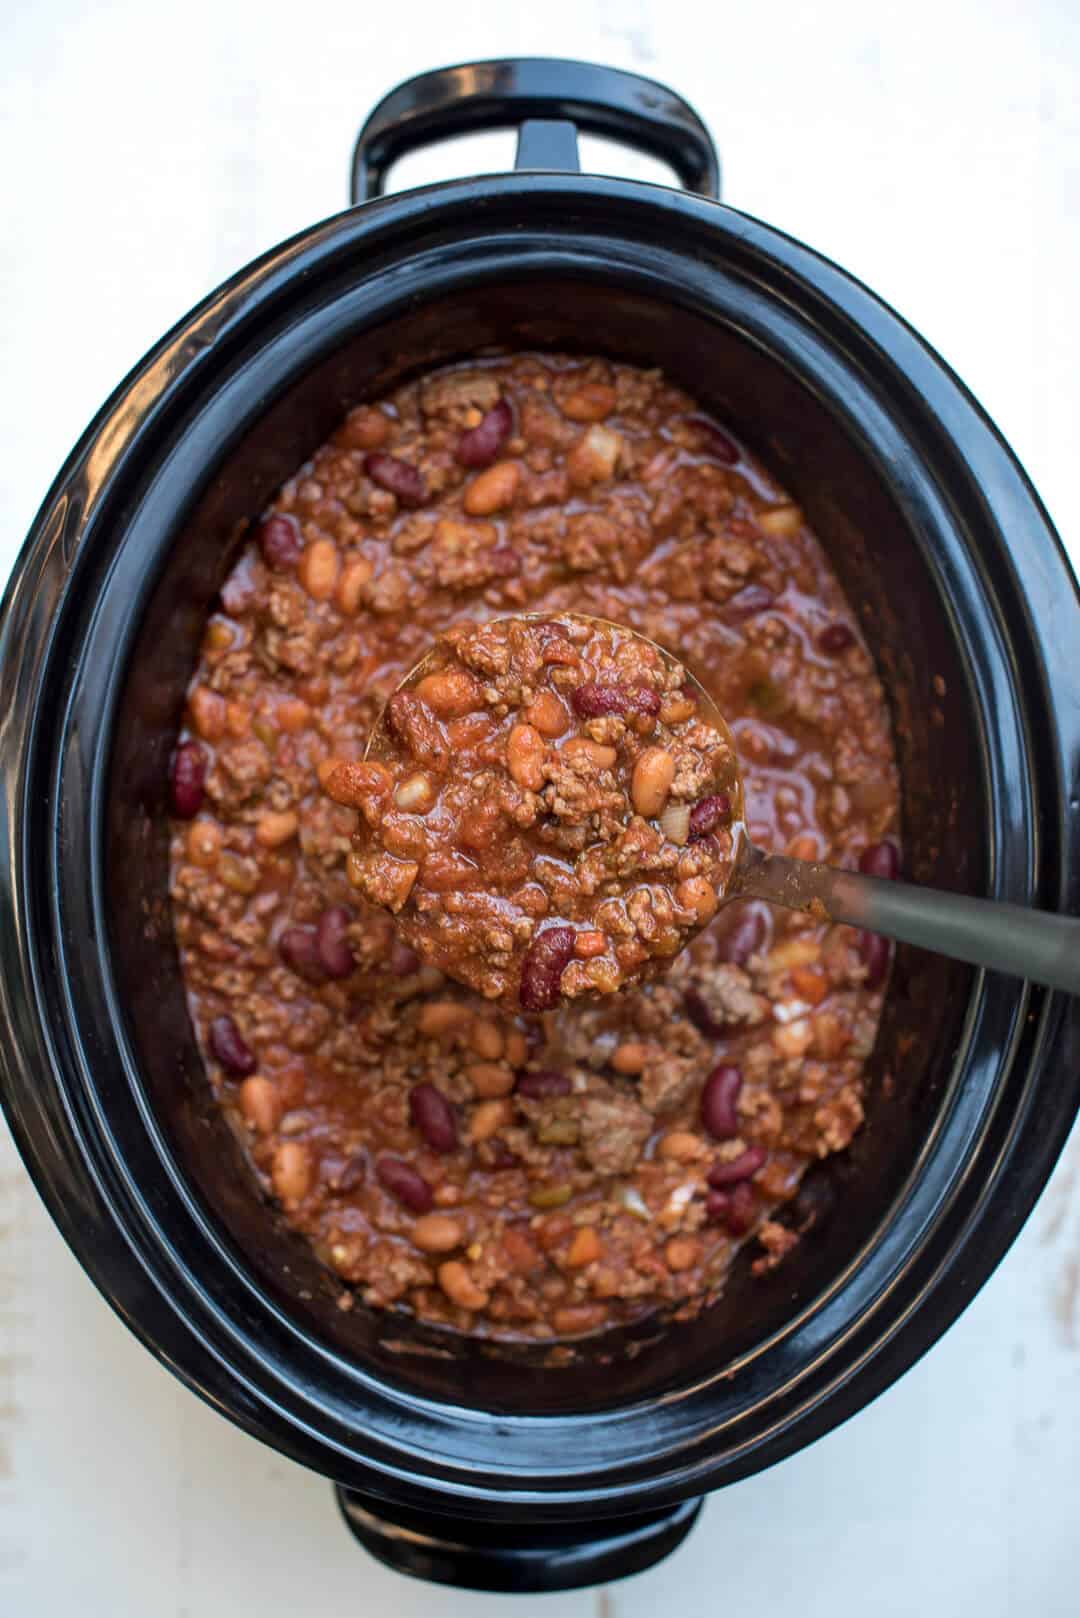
[[745, 937], [332, 942], [481, 444], [716, 442], [719, 1099], [743, 1167], [403, 960], [187, 780], [399, 477], [541, 1086], [501, 1155], [280, 542], [751, 599], [881, 859], [542, 968], [874, 952], [228, 1047], [702, 1018], [403, 1181], [596, 701], [835, 638], [707, 814], [734, 1208], [434, 1117], [299, 949]]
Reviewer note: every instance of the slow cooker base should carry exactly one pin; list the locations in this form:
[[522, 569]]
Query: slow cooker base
[[514, 1558]]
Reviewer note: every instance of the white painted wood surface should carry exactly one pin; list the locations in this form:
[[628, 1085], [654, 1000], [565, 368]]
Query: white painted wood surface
[[148, 151]]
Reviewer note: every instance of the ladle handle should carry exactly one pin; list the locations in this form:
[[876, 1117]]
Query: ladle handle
[[1004, 937]]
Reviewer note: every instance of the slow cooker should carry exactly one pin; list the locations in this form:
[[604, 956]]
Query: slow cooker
[[453, 1459]]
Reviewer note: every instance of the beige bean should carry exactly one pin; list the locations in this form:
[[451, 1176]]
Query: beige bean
[[457, 1282], [782, 522], [594, 457], [486, 1039], [276, 827], [438, 1017], [680, 1146], [492, 490], [237, 718], [630, 1057], [416, 794], [207, 712], [318, 569], [525, 757], [355, 577], [204, 842], [291, 1172], [681, 1253], [451, 693], [676, 710], [490, 1079], [584, 747], [292, 715], [575, 1318], [488, 1118], [517, 1049], [651, 781], [437, 1233], [260, 1103], [588, 401], [699, 895], [547, 715]]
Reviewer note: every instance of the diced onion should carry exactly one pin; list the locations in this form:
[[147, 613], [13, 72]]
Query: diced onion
[[632, 1201], [675, 823]]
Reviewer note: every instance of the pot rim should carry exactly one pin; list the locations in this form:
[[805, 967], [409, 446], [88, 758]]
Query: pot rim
[[53, 1108]]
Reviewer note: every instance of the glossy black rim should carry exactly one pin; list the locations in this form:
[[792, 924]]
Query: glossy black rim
[[186, 1293]]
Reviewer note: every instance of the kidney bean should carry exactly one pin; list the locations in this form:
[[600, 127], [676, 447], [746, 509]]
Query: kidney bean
[[835, 638], [734, 1208], [707, 814], [743, 1167], [403, 960], [299, 949], [744, 938], [874, 952], [881, 859], [434, 1117], [541, 1086], [280, 542], [718, 1102], [187, 780], [228, 1047], [716, 442], [542, 967], [332, 943], [751, 599], [595, 701], [403, 1182], [481, 444], [397, 476]]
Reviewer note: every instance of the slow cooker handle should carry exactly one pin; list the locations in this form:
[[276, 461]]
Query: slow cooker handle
[[514, 1558], [547, 101]]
